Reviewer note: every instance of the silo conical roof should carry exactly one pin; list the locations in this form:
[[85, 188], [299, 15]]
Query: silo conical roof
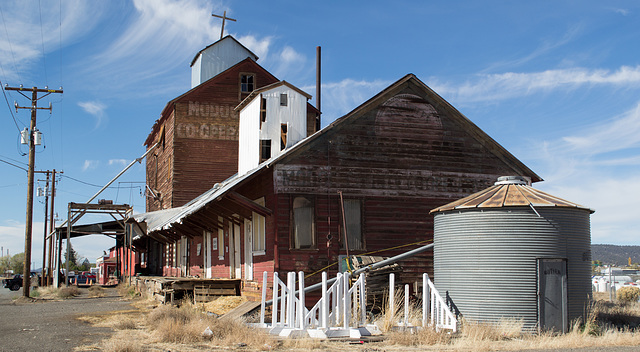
[[509, 191]]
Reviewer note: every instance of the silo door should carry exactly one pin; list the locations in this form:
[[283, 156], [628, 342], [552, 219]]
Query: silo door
[[552, 294]]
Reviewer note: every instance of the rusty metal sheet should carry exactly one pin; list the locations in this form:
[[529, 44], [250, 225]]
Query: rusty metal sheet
[[497, 200]]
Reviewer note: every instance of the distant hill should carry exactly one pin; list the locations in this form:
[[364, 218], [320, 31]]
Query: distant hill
[[613, 254]]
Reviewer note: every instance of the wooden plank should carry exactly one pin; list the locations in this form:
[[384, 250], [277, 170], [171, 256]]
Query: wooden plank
[[243, 309]]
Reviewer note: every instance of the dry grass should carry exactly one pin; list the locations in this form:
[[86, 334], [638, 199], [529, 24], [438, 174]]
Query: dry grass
[[181, 328], [128, 292], [96, 291], [185, 325], [50, 292], [224, 304]]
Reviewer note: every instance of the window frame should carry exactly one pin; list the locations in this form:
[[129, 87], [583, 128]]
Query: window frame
[[263, 144], [314, 224], [240, 83], [361, 221], [259, 229]]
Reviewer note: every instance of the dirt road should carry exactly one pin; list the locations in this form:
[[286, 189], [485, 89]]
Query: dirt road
[[52, 325]]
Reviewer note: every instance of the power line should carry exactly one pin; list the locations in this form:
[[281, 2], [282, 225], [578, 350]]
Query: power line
[[19, 167], [9, 106], [83, 182], [14, 160], [44, 57], [15, 67]]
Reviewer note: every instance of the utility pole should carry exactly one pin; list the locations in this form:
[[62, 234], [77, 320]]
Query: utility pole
[[51, 226], [44, 240], [26, 275]]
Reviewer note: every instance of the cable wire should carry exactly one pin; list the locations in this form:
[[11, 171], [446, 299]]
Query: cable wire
[[9, 106], [44, 56], [19, 167], [10, 46]]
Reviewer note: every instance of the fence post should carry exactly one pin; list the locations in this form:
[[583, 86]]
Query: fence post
[[392, 303], [406, 305], [347, 301], [324, 307], [301, 301], [425, 298], [338, 299], [274, 307], [363, 300], [291, 288], [264, 297]]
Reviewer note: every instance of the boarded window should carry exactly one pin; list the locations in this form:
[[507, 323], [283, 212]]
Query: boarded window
[[259, 230], [265, 149], [247, 82], [283, 136], [353, 221], [303, 223], [283, 99]]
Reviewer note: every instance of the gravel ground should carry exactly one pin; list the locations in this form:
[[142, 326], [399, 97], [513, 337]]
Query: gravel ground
[[52, 325]]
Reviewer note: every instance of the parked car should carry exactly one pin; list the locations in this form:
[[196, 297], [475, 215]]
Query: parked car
[[13, 283], [85, 278]]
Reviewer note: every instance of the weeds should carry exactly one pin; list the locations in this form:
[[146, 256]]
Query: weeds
[[96, 291], [127, 291]]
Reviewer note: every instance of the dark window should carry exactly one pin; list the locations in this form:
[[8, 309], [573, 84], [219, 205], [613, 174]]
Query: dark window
[[263, 111], [353, 221], [283, 99], [247, 83], [283, 136], [303, 223], [265, 149]]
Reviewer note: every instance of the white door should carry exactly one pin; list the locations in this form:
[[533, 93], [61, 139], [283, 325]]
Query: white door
[[207, 254], [232, 257], [184, 255], [236, 251], [248, 249]]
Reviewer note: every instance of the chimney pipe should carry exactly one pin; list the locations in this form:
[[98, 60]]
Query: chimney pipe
[[318, 78]]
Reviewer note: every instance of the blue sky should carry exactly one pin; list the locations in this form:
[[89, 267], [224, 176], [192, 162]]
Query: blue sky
[[556, 83]]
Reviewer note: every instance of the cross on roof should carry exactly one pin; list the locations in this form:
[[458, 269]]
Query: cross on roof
[[224, 17]]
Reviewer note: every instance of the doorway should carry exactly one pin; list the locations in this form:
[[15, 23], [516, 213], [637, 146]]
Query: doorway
[[552, 294]]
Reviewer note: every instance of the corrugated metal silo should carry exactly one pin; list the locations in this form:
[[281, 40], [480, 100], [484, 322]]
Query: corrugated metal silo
[[514, 252]]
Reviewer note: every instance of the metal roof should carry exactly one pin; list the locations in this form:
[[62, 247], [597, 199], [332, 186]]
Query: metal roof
[[509, 194]]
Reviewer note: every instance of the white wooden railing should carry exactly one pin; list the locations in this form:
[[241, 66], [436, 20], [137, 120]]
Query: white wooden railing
[[341, 311]]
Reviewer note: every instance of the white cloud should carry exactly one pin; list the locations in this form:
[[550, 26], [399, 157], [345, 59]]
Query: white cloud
[[597, 166], [491, 87], [345, 96], [90, 165], [122, 162], [259, 47], [96, 109], [53, 26], [160, 36], [12, 238], [619, 133]]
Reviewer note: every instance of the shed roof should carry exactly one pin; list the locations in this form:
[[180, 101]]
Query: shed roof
[[503, 195]]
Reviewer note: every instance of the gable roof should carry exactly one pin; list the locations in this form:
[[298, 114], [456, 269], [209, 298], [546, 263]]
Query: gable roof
[[255, 92], [226, 38], [439, 103], [220, 190], [205, 85]]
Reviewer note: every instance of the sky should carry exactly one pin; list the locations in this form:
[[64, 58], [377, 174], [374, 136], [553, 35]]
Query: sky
[[556, 83]]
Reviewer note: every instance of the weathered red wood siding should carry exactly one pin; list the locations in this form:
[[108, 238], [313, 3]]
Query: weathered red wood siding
[[201, 137], [402, 158]]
